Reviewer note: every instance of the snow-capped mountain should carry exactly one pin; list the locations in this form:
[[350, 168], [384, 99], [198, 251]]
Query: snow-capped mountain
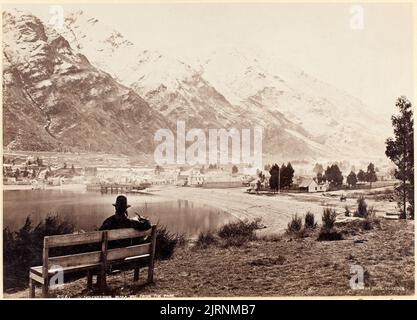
[[267, 85], [170, 86], [54, 99], [302, 117], [193, 93]]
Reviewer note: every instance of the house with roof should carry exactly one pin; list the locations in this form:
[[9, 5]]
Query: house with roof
[[311, 185]]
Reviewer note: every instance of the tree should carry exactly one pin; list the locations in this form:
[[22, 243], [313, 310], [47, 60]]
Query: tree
[[361, 176], [371, 174], [320, 178], [274, 179], [261, 176], [39, 161], [334, 175], [400, 150], [318, 169], [258, 185], [338, 177], [235, 169], [287, 175], [267, 167], [17, 173], [158, 169], [351, 179]]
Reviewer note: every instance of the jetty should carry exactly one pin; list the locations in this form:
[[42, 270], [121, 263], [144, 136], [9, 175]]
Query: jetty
[[117, 188]]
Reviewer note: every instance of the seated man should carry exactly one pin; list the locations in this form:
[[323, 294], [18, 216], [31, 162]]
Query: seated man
[[121, 220]]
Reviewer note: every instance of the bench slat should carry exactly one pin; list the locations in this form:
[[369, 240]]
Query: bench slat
[[74, 239], [36, 277], [93, 237], [118, 234], [122, 253], [75, 259]]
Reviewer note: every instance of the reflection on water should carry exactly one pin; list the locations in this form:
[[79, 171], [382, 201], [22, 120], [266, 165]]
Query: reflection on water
[[87, 210]]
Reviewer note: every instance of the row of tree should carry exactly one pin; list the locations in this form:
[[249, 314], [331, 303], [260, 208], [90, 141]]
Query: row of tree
[[281, 177], [362, 176], [334, 175]]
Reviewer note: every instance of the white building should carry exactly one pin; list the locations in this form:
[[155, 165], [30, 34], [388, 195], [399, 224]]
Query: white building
[[191, 177], [311, 185]]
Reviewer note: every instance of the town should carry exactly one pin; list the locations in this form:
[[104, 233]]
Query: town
[[40, 172]]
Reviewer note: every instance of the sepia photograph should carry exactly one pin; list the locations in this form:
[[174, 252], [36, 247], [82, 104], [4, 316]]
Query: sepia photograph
[[208, 150]]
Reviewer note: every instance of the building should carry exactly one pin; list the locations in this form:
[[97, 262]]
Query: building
[[191, 177], [311, 185]]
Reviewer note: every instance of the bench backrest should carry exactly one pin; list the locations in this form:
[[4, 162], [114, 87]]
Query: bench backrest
[[100, 254]]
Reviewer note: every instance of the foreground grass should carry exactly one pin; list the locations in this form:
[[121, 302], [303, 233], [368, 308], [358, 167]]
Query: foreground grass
[[277, 266]]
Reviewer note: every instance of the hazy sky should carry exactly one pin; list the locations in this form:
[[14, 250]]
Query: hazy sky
[[373, 63]]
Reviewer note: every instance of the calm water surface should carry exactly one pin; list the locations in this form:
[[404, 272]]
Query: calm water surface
[[87, 210]]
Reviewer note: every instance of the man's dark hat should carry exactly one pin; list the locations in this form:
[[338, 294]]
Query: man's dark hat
[[121, 202]]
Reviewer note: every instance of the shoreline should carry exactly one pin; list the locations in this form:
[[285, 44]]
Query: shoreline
[[275, 211]]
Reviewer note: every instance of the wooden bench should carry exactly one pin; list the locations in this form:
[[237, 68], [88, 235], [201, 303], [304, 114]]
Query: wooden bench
[[97, 258]]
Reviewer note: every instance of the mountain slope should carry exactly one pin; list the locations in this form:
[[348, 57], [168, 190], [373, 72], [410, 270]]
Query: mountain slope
[[180, 91], [266, 85], [75, 104], [54, 99]]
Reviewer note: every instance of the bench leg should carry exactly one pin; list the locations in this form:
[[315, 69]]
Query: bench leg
[[150, 274], [102, 282], [89, 279], [45, 290], [31, 288], [136, 274]]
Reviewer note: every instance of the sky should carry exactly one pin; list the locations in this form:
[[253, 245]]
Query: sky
[[370, 58]]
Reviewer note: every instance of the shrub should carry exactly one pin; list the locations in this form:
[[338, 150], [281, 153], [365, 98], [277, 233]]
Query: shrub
[[327, 232], [309, 222], [235, 241], [23, 248], [328, 218], [166, 242], [371, 213], [205, 240], [366, 224], [295, 225], [347, 211], [243, 229], [362, 210], [329, 235]]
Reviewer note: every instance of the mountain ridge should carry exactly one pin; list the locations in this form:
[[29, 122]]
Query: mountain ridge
[[301, 116]]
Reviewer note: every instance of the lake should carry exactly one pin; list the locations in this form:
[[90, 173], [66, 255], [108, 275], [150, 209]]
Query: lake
[[87, 210]]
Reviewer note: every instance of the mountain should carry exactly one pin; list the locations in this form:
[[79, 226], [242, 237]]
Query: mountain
[[266, 85], [303, 118], [55, 100], [181, 91]]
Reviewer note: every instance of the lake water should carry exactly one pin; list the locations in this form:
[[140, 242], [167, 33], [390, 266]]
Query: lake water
[[87, 210]]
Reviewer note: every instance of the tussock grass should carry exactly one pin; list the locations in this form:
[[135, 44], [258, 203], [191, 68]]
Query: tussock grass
[[166, 242], [240, 229], [309, 221], [328, 232], [205, 240], [295, 225], [232, 234]]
